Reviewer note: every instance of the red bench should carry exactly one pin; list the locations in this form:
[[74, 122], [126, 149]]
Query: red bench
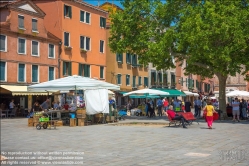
[[171, 121], [188, 116]]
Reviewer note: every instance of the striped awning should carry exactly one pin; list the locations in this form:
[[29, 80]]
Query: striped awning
[[17, 90]]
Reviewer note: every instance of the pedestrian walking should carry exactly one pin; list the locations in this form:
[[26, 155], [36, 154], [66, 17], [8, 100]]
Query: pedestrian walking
[[236, 111], [209, 110], [159, 107]]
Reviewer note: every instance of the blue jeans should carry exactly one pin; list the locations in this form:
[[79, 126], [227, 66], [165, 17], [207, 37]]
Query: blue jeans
[[197, 112], [244, 113]]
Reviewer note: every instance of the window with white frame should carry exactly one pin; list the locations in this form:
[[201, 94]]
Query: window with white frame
[[20, 21], [50, 73], [3, 71], [101, 46], [34, 25], [67, 11], [35, 48], [35, 73], [85, 17], [51, 51], [102, 22], [85, 43], [3, 43], [21, 46], [66, 39], [21, 73]]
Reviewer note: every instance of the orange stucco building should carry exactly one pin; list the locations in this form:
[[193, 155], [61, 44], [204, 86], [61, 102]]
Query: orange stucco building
[[29, 53], [82, 30]]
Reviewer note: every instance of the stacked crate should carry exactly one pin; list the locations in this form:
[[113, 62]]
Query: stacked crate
[[81, 116]]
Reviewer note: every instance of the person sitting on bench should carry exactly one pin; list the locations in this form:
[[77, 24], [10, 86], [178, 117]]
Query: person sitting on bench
[[175, 116]]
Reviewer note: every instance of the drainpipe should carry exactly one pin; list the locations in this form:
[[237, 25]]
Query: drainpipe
[[59, 60]]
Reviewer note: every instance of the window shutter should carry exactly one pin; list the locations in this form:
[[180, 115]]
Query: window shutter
[[2, 42], [70, 68], [87, 43], [87, 17], [100, 22], [82, 13], [64, 68], [66, 43], [70, 11], [2, 71], [80, 70], [101, 72], [82, 42], [65, 11], [51, 73], [104, 22], [34, 73], [21, 73]]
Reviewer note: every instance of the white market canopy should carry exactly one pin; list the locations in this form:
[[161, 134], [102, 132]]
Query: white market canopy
[[238, 93], [147, 92], [74, 82]]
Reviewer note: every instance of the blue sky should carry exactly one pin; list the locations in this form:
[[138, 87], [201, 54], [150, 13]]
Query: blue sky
[[96, 2]]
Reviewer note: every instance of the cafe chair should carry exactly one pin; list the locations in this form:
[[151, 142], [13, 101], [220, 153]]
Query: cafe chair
[[2, 115], [13, 113]]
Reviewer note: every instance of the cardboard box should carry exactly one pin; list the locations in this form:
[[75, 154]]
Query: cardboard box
[[30, 124], [72, 122], [30, 120]]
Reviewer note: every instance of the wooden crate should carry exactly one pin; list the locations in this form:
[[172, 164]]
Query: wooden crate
[[59, 123], [81, 111], [72, 122], [81, 121], [80, 116]]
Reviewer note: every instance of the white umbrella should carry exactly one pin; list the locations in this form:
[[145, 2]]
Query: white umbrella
[[238, 93], [147, 92], [74, 83], [188, 93]]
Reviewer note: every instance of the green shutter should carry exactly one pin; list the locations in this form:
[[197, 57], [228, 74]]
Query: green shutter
[[34, 73], [82, 13], [70, 11], [193, 83], [80, 70], [51, 73], [69, 68], [64, 69], [65, 12], [87, 17], [100, 21], [104, 22], [21, 72], [2, 71], [101, 72]]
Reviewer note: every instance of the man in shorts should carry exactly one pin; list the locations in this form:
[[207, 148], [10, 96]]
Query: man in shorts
[[236, 111]]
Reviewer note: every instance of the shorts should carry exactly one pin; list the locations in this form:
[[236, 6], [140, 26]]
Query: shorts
[[236, 112]]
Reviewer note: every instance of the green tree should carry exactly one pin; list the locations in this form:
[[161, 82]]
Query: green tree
[[213, 36]]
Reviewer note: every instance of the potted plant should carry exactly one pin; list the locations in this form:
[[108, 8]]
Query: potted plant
[[67, 47]]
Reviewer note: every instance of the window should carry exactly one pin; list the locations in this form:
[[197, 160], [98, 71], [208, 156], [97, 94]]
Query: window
[[193, 83], [165, 78], [101, 72], [197, 84], [51, 51], [134, 60], [85, 43], [119, 57], [67, 69], [146, 81], [50, 73], [128, 58], [35, 73], [21, 73], [35, 48], [119, 81], [67, 11], [173, 79], [85, 17], [134, 81], [21, 46], [102, 22], [67, 39], [160, 77], [3, 43], [86, 70], [34, 25], [20, 22], [139, 81], [127, 80], [2, 71], [101, 46]]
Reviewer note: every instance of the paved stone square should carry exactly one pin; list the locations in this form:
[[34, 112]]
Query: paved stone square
[[159, 145]]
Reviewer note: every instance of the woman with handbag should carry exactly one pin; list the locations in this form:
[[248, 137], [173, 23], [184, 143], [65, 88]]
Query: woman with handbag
[[209, 111]]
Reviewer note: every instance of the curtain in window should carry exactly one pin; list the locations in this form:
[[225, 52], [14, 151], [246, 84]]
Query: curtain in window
[[34, 73], [21, 72], [82, 15], [51, 73], [87, 43], [21, 46], [21, 21], [34, 24], [82, 43], [87, 17], [34, 48], [2, 42], [2, 71], [51, 50]]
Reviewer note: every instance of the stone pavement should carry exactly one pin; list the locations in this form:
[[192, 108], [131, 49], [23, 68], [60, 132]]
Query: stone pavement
[[226, 144]]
